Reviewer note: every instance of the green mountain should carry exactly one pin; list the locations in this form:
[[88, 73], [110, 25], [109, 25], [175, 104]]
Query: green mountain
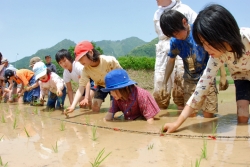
[[128, 46], [24, 62], [120, 47], [145, 50]]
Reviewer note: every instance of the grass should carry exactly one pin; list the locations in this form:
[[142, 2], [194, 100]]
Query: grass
[[3, 119], [204, 150], [203, 154], [87, 120], [94, 138], [62, 126], [26, 132], [197, 162], [99, 159], [55, 149], [162, 131], [1, 162], [150, 147], [36, 111], [214, 130], [15, 124]]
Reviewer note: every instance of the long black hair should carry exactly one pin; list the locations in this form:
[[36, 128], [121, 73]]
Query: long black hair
[[95, 56], [217, 26]]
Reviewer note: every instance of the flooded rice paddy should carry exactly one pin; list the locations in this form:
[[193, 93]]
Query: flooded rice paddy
[[31, 137]]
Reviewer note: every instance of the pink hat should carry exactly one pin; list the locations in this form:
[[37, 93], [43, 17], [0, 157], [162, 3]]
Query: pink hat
[[82, 48]]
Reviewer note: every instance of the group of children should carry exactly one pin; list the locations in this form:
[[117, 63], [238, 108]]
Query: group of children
[[200, 45]]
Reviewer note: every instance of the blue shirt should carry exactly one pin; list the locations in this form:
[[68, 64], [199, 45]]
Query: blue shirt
[[194, 56]]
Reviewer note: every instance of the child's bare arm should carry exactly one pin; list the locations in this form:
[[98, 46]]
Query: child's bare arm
[[168, 71]]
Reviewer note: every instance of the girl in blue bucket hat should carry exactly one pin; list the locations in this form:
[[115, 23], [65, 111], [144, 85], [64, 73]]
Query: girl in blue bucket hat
[[132, 100]]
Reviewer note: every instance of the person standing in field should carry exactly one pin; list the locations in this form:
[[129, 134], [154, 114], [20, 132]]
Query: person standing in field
[[49, 64], [162, 48], [217, 31]]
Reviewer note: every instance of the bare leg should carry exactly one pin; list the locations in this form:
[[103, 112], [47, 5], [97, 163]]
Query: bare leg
[[96, 105], [208, 114], [243, 111]]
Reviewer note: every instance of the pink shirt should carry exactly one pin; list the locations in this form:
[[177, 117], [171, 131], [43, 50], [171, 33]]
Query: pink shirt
[[143, 105]]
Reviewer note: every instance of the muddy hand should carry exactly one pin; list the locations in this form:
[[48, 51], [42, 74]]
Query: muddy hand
[[162, 93], [223, 85], [169, 127]]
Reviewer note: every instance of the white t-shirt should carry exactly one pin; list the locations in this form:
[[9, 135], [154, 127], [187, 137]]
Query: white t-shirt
[[75, 74]]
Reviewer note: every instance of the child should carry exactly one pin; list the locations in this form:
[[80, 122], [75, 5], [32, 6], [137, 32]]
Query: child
[[10, 89], [96, 66], [162, 49], [217, 31], [27, 79], [73, 71], [175, 24], [133, 101], [50, 81]]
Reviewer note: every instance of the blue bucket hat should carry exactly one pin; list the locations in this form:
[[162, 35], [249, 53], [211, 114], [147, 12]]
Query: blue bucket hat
[[117, 79]]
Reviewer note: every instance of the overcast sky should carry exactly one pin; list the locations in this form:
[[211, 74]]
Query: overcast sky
[[29, 25]]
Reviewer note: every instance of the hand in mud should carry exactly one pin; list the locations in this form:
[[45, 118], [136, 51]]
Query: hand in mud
[[163, 93], [84, 103], [170, 127], [223, 85], [68, 110]]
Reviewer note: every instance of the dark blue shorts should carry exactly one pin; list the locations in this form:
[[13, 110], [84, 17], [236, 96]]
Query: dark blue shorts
[[242, 89], [100, 94]]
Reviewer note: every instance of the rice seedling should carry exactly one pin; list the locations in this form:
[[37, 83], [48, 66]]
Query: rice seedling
[[1, 138], [99, 159], [62, 126], [15, 124], [150, 147], [3, 119], [198, 162], [17, 111], [14, 96], [162, 131], [204, 150], [94, 138], [36, 111], [87, 119], [26, 132], [1, 163], [55, 148], [214, 129]]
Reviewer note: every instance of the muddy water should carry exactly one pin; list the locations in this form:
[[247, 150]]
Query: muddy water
[[131, 144]]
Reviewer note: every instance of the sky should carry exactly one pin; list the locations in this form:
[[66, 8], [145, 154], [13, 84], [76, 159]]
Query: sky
[[27, 26]]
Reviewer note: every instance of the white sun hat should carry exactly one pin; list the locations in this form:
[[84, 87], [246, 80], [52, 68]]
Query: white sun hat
[[40, 70]]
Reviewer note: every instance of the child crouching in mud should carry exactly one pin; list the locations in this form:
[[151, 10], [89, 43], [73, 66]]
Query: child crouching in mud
[[217, 31], [132, 100], [50, 81]]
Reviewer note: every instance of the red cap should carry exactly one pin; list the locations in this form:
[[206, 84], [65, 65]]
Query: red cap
[[82, 48]]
